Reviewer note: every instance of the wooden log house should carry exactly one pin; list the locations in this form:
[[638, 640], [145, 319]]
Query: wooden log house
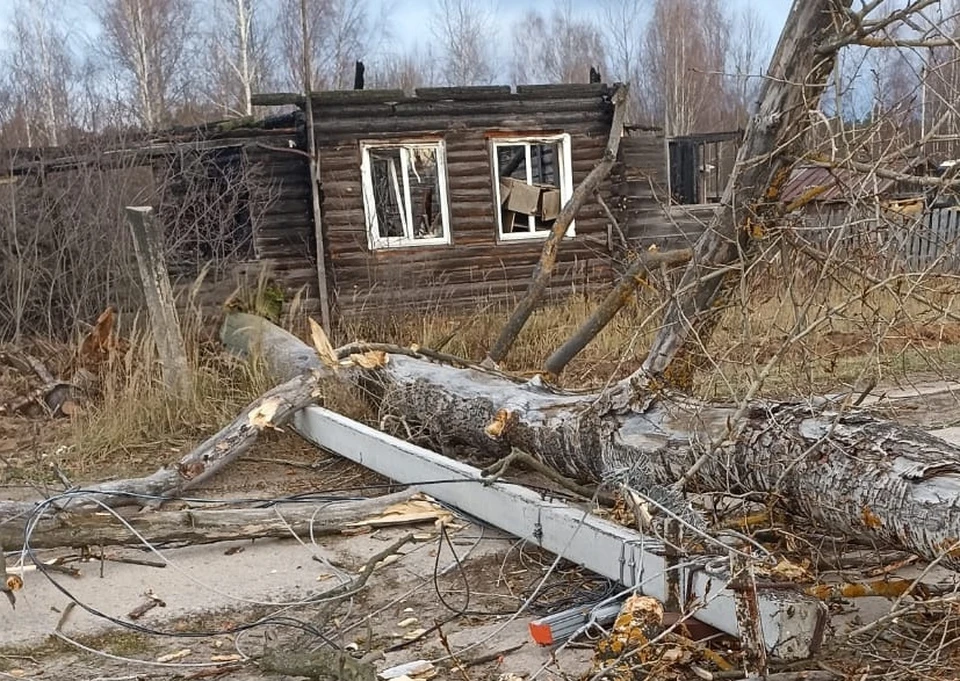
[[437, 199]]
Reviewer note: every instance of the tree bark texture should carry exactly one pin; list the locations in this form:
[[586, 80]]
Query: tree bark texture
[[551, 248], [867, 478], [795, 80]]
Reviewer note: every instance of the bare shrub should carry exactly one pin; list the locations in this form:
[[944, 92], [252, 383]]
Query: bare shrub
[[65, 249]]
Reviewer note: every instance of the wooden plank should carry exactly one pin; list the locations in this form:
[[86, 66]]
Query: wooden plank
[[158, 293], [564, 90], [466, 94]]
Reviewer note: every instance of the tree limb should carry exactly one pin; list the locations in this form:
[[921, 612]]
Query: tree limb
[[795, 81], [544, 269]]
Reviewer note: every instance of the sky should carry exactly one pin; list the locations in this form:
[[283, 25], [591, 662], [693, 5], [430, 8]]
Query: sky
[[411, 18]]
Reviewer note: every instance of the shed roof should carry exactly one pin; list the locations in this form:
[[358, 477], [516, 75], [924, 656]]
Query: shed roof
[[839, 184]]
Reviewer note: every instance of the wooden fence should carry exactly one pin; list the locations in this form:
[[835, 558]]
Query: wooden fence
[[914, 243]]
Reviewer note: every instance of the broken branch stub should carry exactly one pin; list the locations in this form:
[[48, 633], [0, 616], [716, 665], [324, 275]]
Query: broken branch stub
[[271, 410], [543, 271], [795, 80]]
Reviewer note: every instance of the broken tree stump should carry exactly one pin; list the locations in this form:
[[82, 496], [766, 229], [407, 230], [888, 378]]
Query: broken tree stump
[[159, 297]]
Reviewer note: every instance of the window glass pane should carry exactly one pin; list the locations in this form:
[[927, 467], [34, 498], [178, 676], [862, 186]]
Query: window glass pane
[[423, 174], [386, 174], [513, 161]]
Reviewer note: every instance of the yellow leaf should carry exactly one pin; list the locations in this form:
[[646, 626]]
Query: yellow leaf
[[322, 345], [369, 360], [787, 570], [173, 657]]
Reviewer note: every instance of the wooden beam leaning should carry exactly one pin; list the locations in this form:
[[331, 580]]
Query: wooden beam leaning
[[314, 161], [621, 294], [159, 297], [544, 268], [792, 623]]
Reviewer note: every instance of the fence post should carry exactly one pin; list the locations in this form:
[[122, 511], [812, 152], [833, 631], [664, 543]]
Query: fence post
[[159, 297]]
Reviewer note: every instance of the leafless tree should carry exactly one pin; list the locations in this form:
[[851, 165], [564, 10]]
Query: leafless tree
[[149, 42], [624, 23], [462, 29], [559, 48], [238, 54], [749, 54], [338, 32], [685, 53], [404, 70], [940, 71], [40, 67]]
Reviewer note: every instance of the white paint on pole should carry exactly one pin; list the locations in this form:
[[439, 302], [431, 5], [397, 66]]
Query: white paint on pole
[[791, 622]]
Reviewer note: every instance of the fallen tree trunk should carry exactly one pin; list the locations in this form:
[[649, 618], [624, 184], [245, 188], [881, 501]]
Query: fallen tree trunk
[[861, 476], [196, 526]]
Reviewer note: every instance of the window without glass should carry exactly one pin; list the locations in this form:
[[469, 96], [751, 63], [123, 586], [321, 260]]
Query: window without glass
[[533, 181], [405, 194]]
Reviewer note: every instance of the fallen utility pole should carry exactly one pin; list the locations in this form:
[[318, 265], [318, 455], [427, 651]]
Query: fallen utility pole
[[792, 623]]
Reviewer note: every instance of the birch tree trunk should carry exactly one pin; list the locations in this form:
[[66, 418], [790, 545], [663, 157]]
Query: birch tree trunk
[[861, 476]]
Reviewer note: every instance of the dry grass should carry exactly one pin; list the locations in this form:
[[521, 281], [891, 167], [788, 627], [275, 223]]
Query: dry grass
[[136, 420], [855, 334]]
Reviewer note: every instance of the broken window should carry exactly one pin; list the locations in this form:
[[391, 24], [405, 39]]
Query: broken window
[[533, 180], [700, 166], [405, 195]]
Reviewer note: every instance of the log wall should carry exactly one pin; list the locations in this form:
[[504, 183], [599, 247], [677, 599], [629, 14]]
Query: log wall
[[475, 267], [640, 197]]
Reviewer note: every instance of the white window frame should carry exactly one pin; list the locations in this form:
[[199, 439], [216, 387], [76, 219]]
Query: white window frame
[[566, 180], [374, 240]]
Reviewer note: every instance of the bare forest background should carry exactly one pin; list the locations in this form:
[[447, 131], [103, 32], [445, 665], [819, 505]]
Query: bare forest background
[[108, 66], [150, 64]]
